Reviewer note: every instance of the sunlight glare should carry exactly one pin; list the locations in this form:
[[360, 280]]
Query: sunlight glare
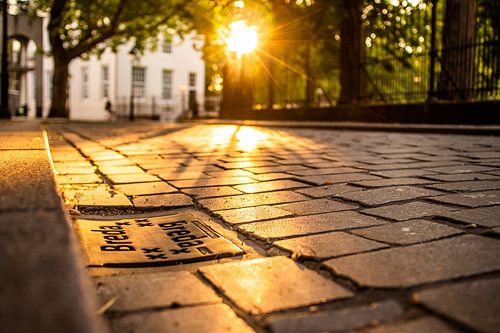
[[248, 138], [242, 38]]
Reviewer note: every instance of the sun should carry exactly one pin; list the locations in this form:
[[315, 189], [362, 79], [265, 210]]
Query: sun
[[242, 38]]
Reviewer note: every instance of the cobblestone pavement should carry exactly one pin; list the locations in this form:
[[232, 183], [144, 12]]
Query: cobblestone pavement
[[285, 230]]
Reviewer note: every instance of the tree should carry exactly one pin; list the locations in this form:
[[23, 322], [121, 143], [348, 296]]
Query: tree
[[457, 66], [78, 28], [351, 53]]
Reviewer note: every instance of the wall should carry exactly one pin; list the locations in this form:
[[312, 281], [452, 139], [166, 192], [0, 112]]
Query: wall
[[183, 60]]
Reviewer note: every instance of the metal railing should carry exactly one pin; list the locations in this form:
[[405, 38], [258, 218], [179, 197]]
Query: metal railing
[[418, 67]]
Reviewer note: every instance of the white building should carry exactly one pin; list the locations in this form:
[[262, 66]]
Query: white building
[[167, 83]]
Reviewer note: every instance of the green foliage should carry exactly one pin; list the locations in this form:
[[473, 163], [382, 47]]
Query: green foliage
[[77, 28], [286, 30]]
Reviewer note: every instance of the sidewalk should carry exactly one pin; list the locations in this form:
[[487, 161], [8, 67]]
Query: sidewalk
[[226, 228], [42, 285]]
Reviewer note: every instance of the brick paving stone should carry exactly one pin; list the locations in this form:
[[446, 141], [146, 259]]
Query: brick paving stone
[[485, 216], [249, 200], [162, 200], [105, 156], [218, 318], [78, 179], [183, 169], [81, 164], [402, 173], [272, 176], [114, 163], [419, 325], [153, 290], [212, 182], [248, 164], [157, 164], [476, 304], [97, 197], [340, 320], [415, 165], [332, 164], [461, 169], [324, 171], [393, 182], [461, 177], [120, 170], [272, 185], [230, 173], [380, 160], [475, 185], [408, 232], [146, 188], [327, 245], [69, 157], [133, 178], [246, 159], [474, 199], [174, 176], [211, 192], [271, 284], [280, 168], [419, 264], [311, 224], [484, 154], [303, 161], [379, 196], [315, 206], [328, 190], [65, 170], [408, 211], [337, 179], [251, 214]]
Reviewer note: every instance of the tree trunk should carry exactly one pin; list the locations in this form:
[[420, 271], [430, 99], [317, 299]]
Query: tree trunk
[[271, 78], [59, 103], [245, 88], [231, 73], [456, 81], [351, 54], [310, 78]]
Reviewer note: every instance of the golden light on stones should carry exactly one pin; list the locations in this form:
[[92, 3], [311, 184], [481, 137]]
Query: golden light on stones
[[249, 138], [244, 138], [241, 38]]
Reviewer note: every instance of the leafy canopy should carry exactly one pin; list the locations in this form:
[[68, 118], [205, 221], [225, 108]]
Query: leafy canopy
[[80, 27]]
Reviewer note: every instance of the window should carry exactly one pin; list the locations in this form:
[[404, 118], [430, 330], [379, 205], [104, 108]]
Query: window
[[85, 82], [167, 46], [138, 81], [167, 84], [105, 81], [192, 79]]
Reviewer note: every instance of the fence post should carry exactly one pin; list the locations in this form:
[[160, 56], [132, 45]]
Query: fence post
[[433, 54]]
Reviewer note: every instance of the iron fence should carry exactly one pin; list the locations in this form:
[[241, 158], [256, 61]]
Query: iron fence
[[143, 108], [407, 59]]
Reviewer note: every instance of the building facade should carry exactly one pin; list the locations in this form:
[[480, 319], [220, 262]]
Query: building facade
[[165, 84], [25, 63]]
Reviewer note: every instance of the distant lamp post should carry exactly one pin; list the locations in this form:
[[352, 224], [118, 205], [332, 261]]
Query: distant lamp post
[[4, 80], [134, 57]]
